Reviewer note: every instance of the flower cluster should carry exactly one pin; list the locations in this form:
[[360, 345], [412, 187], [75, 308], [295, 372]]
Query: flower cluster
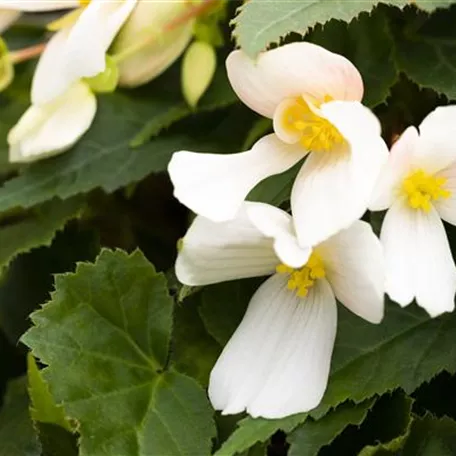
[[278, 360], [75, 64]]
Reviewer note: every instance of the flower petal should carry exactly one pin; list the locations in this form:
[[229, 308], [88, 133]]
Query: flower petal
[[399, 164], [418, 259], [79, 51], [90, 38], [290, 71], [437, 148], [277, 224], [7, 17], [333, 189], [38, 5], [50, 129], [217, 252], [277, 362], [49, 81], [353, 261], [446, 207], [214, 185]]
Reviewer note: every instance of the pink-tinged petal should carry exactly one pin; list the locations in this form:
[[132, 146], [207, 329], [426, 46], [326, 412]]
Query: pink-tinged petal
[[290, 71], [278, 225], [333, 188], [217, 252], [418, 259], [437, 147], [277, 362], [215, 185], [353, 261], [400, 163]]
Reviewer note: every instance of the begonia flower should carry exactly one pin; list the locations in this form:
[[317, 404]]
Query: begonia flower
[[418, 188], [277, 362], [313, 97]]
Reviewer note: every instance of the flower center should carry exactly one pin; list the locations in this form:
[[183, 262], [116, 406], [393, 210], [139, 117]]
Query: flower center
[[302, 279], [421, 188], [84, 2], [315, 133]]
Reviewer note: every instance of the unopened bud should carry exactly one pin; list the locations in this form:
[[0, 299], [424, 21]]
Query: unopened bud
[[198, 68], [147, 45], [6, 67]]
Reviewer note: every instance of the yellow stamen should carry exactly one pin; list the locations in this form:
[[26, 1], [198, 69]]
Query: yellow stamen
[[302, 279], [317, 133], [421, 189]]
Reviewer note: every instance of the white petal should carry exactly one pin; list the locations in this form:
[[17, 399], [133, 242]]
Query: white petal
[[90, 38], [446, 207], [7, 17], [53, 128], [277, 224], [290, 71], [353, 261], [437, 147], [50, 79], [38, 5], [217, 252], [79, 51], [333, 189], [277, 362], [399, 165], [418, 259], [214, 185]]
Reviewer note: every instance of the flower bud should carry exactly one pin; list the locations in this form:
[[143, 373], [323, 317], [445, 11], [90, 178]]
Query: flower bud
[[6, 67], [144, 48]]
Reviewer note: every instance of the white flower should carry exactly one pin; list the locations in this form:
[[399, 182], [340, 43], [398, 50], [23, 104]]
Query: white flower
[[418, 187], [45, 130], [63, 105], [313, 97], [79, 51], [277, 362]]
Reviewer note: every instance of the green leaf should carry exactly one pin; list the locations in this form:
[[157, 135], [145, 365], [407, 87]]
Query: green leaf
[[17, 437], [129, 402], [275, 189], [390, 421], [312, 435], [36, 269], [35, 228], [106, 160], [261, 22], [194, 350], [56, 441], [43, 407], [251, 431], [431, 436], [426, 49]]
